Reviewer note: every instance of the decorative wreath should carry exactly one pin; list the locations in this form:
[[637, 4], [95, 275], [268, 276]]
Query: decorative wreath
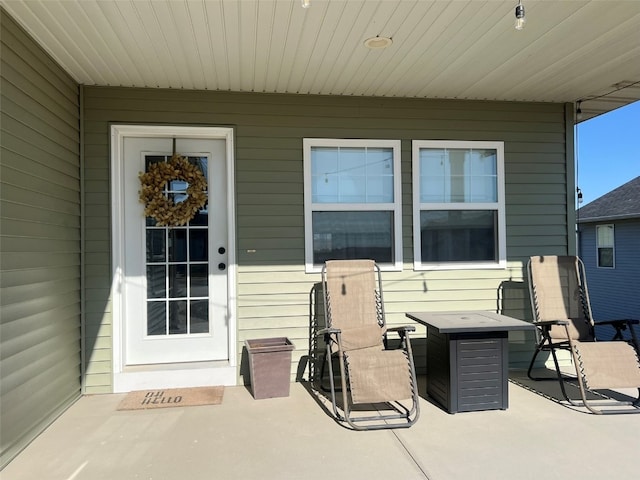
[[164, 209]]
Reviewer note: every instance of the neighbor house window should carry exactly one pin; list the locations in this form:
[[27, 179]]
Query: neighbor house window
[[605, 241], [458, 204], [352, 201]]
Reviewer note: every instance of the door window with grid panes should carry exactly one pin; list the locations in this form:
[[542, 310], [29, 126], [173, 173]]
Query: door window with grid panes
[[177, 267]]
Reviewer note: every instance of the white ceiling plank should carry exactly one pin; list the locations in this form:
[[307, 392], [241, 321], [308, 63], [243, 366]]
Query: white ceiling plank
[[247, 38], [382, 63], [417, 67], [609, 42], [217, 38], [265, 23], [407, 38], [197, 17], [186, 37], [306, 25], [332, 41], [160, 21], [441, 48], [230, 12], [279, 35], [366, 65], [125, 20], [113, 52]]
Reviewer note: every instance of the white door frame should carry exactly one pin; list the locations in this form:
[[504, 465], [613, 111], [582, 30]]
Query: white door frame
[[128, 378]]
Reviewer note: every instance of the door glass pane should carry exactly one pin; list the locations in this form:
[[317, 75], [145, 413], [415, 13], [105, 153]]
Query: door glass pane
[[177, 244], [156, 248], [201, 218], [199, 316], [177, 281], [199, 280], [156, 281], [156, 318], [198, 244], [177, 316]]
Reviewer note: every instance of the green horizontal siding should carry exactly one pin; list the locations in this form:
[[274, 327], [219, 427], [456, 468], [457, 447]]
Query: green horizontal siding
[[273, 290], [40, 225]]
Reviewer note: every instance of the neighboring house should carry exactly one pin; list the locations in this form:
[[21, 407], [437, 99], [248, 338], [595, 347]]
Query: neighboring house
[[609, 245], [450, 194]]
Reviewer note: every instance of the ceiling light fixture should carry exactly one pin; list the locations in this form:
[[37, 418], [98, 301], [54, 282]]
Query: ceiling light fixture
[[376, 43], [305, 3], [520, 20]]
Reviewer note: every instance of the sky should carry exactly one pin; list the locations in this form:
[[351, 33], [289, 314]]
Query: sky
[[608, 151]]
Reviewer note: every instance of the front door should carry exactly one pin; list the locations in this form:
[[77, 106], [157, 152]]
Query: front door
[[174, 293]]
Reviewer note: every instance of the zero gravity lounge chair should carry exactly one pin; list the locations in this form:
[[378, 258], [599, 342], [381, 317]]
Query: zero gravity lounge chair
[[374, 380], [562, 315]]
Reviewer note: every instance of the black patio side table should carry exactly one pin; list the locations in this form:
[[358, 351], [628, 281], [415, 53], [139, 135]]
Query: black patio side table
[[468, 358]]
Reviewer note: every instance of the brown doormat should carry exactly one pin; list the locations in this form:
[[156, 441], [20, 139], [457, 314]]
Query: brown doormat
[[172, 397]]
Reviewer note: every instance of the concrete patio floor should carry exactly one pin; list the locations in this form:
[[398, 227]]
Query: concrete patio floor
[[295, 438]]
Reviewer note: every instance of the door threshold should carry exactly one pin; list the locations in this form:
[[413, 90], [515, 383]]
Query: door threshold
[[174, 375], [151, 367]]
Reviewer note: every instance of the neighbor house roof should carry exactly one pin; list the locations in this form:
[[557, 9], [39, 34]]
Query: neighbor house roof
[[569, 51], [621, 203]]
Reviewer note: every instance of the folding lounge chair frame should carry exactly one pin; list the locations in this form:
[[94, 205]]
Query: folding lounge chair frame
[[570, 327], [341, 344]]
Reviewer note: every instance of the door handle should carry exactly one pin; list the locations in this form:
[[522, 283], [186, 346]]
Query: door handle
[[222, 266]]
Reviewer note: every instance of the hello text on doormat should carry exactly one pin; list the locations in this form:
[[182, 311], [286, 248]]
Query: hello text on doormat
[[172, 397]]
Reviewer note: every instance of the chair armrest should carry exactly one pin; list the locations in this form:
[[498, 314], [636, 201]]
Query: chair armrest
[[329, 331], [405, 328], [549, 323], [621, 322]]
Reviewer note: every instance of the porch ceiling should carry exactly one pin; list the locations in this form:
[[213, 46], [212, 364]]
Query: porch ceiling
[[569, 50]]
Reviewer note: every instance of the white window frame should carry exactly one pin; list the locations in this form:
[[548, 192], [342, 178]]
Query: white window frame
[[498, 206], [310, 207], [612, 246]]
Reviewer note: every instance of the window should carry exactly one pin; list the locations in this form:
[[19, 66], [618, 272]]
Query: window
[[352, 201], [458, 204], [605, 239]]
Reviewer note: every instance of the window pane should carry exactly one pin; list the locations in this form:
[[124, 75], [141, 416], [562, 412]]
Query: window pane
[[350, 235], [352, 175], [483, 162], [458, 175], [458, 235], [605, 235], [605, 257], [483, 189]]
